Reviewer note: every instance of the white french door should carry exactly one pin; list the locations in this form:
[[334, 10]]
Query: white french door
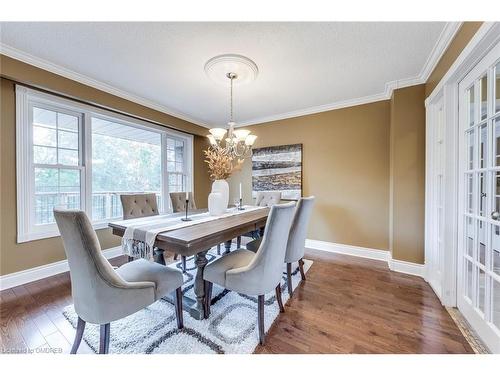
[[434, 257], [478, 295]]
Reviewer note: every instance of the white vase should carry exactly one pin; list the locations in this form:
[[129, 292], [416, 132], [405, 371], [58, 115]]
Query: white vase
[[221, 186], [216, 204]]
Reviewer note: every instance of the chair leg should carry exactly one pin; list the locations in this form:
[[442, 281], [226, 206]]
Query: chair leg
[[301, 268], [80, 327], [178, 308], [176, 256], [238, 242], [183, 258], [227, 245], [278, 298], [218, 249], [289, 278], [104, 339], [208, 297], [260, 319]]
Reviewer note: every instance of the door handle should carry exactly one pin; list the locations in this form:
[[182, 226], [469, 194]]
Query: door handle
[[495, 215]]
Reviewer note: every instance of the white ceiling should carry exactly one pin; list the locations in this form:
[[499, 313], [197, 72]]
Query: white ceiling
[[303, 67]]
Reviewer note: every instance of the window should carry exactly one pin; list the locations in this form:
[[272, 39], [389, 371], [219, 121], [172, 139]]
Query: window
[[77, 156], [56, 161], [175, 165], [125, 160]]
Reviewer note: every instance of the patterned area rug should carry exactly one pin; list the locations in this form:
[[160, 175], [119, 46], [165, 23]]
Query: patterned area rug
[[231, 328]]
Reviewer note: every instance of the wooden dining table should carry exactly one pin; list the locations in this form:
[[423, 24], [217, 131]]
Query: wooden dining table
[[197, 239]]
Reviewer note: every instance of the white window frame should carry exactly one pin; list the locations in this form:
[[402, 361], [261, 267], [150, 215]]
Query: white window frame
[[26, 98]]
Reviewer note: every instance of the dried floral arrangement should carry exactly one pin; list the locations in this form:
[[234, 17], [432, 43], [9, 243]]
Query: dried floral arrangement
[[220, 164]]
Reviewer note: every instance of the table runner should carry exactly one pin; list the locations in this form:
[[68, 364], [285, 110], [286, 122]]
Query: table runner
[[140, 234]]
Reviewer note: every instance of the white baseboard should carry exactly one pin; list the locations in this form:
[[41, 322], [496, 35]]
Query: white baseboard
[[364, 252], [22, 277], [407, 267]]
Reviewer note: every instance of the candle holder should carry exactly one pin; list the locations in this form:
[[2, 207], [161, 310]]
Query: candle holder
[[240, 206], [186, 218]]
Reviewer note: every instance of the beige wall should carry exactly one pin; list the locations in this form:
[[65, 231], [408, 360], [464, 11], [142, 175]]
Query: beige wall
[[16, 257], [345, 165], [461, 39], [407, 178]]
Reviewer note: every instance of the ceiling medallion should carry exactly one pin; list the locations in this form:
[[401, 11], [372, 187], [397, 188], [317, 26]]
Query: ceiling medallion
[[231, 70], [218, 67]]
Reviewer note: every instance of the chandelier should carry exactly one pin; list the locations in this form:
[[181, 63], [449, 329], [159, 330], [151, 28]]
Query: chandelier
[[236, 143]]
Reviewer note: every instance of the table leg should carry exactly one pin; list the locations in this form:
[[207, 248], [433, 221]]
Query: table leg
[[227, 244], [198, 309], [158, 256]]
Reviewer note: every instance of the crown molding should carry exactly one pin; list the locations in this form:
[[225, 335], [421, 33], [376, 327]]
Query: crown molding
[[70, 74], [314, 110], [442, 44], [386, 95], [444, 40], [488, 33]]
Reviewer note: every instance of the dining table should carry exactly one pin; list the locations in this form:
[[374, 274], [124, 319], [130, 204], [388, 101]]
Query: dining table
[[197, 239]]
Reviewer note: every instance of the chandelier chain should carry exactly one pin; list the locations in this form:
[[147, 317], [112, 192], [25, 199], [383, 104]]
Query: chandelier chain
[[238, 143], [231, 99]]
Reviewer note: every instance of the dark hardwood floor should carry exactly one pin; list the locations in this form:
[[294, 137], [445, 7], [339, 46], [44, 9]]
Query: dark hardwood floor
[[347, 305]]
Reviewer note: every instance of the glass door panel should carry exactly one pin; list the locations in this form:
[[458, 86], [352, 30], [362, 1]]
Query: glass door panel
[[480, 254], [481, 283], [496, 142], [482, 194], [471, 106], [496, 304], [497, 88], [483, 92]]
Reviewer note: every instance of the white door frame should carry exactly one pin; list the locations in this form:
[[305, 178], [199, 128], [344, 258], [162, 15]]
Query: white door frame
[[434, 163], [486, 38], [447, 89]]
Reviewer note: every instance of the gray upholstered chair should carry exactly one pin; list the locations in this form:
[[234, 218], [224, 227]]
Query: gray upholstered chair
[[267, 198], [296, 239], [139, 205], [179, 201], [250, 273], [144, 205], [263, 199], [102, 294]]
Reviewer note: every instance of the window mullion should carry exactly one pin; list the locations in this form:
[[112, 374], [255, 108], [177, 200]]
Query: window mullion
[[86, 148], [164, 173]]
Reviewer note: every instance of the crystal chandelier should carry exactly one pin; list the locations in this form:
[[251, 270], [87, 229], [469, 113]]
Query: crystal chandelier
[[238, 143]]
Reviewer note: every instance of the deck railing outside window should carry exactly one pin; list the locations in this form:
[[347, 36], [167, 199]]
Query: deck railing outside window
[[105, 205]]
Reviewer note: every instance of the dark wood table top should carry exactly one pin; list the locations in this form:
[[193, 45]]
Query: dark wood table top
[[200, 237]]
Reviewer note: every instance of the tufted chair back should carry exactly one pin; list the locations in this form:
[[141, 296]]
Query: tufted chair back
[[267, 198], [179, 201], [139, 205], [298, 230]]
